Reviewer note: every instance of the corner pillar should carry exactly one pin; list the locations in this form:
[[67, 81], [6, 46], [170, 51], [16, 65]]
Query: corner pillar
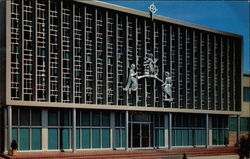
[[45, 129], [112, 133], [9, 136], [126, 127], [170, 131], [238, 130], [207, 131], [166, 126], [74, 130]]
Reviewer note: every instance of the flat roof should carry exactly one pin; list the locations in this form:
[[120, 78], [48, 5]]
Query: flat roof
[[157, 17]]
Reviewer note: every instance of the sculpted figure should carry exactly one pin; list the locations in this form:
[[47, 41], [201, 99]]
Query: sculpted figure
[[167, 87], [150, 65], [132, 83]]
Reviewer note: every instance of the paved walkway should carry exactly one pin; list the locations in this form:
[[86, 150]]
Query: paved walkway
[[216, 157], [192, 153]]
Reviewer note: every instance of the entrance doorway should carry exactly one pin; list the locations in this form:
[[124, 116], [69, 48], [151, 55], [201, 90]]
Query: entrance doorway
[[140, 135]]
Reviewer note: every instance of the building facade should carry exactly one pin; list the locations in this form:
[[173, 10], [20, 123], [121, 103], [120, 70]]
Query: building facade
[[244, 117], [90, 75]]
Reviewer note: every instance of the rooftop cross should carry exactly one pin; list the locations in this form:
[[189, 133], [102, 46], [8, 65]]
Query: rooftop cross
[[152, 8]]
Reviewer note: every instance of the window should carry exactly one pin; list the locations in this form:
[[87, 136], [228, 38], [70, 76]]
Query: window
[[245, 124], [24, 117], [27, 128], [246, 94], [36, 117], [15, 116], [96, 119], [86, 118], [105, 119], [15, 23], [53, 118]]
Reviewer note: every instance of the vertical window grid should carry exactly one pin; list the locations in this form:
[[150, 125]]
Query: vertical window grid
[[15, 50], [41, 67], [189, 68], [157, 55], [174, 64], [148, 51], [111, 58], [78, 57], [100, 58], [204, 68], [54, 52], [197, 72], [89, 56], [121, 58], [130, 51], [28, 56], [210, 72], [140, 58], [181, 63], [217, 72], [66, 53], [166, 55]]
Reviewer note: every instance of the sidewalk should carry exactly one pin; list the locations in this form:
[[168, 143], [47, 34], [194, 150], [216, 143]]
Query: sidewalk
[[216, 157], [210, 153]]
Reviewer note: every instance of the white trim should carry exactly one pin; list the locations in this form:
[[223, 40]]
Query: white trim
[[117, 107], [44, 132], [112, 130]]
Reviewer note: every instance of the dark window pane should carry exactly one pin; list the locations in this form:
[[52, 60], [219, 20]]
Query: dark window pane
[[78, 118], [36, 117], [246, 94], [85, 118], [178, 120], [53, 118], [123, 119], [117, 119], [185, 120], [156, 121], [96, 119], [105, 119], [161, 120], [64, 118], [15, 116], [199, 121], [24, 117]]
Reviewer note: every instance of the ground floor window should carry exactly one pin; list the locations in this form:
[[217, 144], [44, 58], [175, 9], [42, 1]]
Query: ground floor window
[[188, 137], [220, 136], [220, 130], [27, 128], [159, 130], [59, 138], [93, 129], [59, 129], [106, 129], [120, 132], [188, 130]]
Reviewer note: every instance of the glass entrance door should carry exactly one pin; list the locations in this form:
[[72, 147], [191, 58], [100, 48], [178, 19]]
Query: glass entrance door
[[140, 135], [145, 135], [136, 135]]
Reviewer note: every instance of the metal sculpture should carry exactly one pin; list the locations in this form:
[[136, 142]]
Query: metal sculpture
[[150, 65], [150, 71], [167, 87], [132, 83]]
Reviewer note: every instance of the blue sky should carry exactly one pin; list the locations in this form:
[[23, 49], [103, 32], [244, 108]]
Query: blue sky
[[229, 16]]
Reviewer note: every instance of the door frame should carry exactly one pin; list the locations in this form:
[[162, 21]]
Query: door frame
[[150, 124]]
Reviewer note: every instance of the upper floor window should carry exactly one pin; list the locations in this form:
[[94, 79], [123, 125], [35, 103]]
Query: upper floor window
[[246, 94]]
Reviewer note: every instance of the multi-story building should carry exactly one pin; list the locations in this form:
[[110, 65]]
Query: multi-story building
[[90, 75]]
